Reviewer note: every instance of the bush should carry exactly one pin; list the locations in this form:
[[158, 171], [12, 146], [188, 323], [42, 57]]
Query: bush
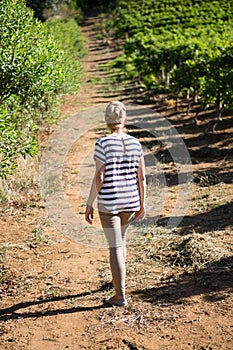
[[68, 37], [34, 71]]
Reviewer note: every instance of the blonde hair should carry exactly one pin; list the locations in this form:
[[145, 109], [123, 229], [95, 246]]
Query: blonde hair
[[115, 127], [115, 113]]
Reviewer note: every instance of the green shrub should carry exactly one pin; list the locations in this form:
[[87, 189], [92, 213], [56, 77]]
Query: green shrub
[[69, 37], [34, 71]]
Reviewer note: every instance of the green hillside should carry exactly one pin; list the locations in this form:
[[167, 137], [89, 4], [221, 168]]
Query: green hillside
[[179, 46]]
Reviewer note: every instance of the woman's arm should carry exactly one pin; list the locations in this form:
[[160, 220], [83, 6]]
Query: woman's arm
[[140, 215], [95, 188]]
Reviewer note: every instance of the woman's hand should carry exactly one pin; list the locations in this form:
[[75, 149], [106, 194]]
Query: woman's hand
[[89, 214], [140, 215]]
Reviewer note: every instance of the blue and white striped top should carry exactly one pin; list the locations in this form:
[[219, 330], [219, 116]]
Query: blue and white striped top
[[121, 156]]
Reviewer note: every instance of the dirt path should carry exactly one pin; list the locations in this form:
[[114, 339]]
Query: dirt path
[[54, 297]]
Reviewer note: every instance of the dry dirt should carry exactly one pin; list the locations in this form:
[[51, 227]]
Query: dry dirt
[[52, 287]]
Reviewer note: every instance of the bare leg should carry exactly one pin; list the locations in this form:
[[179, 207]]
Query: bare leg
[[115, 227]]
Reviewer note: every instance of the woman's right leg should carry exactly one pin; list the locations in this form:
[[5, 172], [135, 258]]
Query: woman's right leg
[[112, 228], [126, 219]]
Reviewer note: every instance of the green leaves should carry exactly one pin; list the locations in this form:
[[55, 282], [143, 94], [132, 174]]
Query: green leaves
[[35, 69], [28, 56], [181, 45], [15, 139]]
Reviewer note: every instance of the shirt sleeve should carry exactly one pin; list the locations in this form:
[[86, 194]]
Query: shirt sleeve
[[141, 151], [99, 152]]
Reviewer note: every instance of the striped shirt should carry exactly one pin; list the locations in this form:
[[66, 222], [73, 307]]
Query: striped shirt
[[121, 156]]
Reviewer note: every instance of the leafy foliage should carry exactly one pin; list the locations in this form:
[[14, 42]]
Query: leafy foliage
[[68, 35], [184, 46], [34, 70]]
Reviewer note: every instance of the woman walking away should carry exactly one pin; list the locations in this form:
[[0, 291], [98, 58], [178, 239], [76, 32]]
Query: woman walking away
[[120, 185]]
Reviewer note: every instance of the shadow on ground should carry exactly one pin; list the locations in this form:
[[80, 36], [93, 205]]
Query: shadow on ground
[[214, 283], [11, 313]]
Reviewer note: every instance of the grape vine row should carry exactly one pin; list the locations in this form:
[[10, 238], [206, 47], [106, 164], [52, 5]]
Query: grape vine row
[[182, 46]]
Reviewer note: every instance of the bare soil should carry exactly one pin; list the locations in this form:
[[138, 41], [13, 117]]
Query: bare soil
[[179, 281]]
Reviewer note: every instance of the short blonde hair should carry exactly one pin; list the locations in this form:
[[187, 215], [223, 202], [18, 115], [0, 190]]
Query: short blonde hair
[[115, 127]]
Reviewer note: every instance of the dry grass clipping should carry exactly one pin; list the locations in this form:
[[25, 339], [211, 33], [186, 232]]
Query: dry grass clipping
[[192, 252]]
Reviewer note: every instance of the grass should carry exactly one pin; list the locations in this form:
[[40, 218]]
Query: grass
[[37, 236], [3, 251], [3, 269], [51, 292], [6, 279], [191, 252], [3, 275], [21, 188]]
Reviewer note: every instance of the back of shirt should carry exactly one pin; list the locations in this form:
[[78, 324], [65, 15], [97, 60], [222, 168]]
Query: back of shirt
[[121, 157]]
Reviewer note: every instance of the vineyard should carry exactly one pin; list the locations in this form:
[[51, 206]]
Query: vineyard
[[171, 63], [183, 47]]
